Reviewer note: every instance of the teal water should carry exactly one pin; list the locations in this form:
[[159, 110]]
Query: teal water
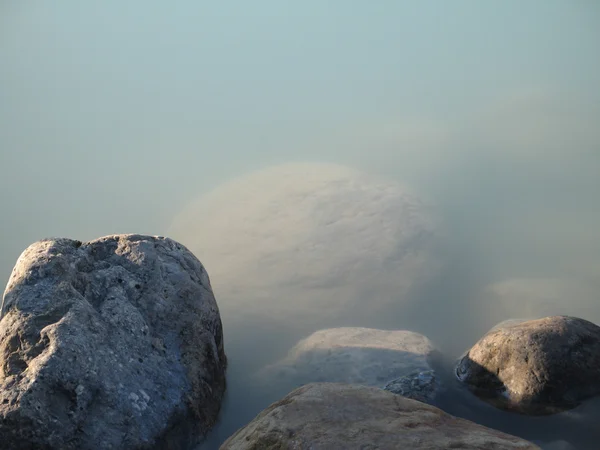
[[115, 117]]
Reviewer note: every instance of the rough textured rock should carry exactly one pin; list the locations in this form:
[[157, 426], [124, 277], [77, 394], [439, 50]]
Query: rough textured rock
[[114, 343], [538, 366], [328, 416], [310, 237], [418, 385], [353, 355]]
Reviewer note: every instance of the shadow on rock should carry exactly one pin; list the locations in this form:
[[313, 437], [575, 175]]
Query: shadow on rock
[[535, 367]]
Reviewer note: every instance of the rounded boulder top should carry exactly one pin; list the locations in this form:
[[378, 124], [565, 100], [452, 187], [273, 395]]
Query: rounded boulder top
[[289, 240], [540, 366], [114, 343]]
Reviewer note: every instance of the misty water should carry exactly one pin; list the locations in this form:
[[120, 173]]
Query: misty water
[[117, 117]]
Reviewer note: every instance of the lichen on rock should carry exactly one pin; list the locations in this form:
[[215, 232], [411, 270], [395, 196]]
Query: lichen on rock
[[114, 343]]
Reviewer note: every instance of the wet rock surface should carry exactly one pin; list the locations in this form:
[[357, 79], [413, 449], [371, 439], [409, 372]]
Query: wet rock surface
[[354, 355], [418, 385], [330, 416], [110, 344], [540, 366]]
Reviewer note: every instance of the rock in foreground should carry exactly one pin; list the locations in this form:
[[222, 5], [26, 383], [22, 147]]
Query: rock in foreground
[[114, 343], [331, 416], [540, 366], [354, 355]]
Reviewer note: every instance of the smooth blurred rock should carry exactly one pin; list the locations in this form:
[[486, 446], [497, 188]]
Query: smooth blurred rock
[[332, 416], [110, 344], [540, 366], [532, 298], [311, 244], [351, 355]]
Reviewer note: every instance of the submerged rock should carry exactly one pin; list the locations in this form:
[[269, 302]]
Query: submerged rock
[[418, 385], [540, 366], [358, 355], [354, 355], [110, 344], [532, 298], [302, 238], [329, 416]]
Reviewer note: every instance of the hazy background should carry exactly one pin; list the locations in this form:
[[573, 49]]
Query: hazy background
[[115, 115]]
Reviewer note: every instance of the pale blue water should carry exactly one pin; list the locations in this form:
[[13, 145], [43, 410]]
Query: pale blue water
[[113, 117]]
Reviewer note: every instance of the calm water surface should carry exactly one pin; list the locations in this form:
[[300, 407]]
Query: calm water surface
[[116, 115]]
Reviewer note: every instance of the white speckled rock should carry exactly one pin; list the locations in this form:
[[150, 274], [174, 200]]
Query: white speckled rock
[[329, 416], [110, 344], [352, 355], [291, 240]]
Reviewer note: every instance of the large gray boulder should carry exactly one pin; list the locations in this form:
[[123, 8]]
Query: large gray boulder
[[329, 416], [540, 366], [364, 356], [110, 344], [304, 237]]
